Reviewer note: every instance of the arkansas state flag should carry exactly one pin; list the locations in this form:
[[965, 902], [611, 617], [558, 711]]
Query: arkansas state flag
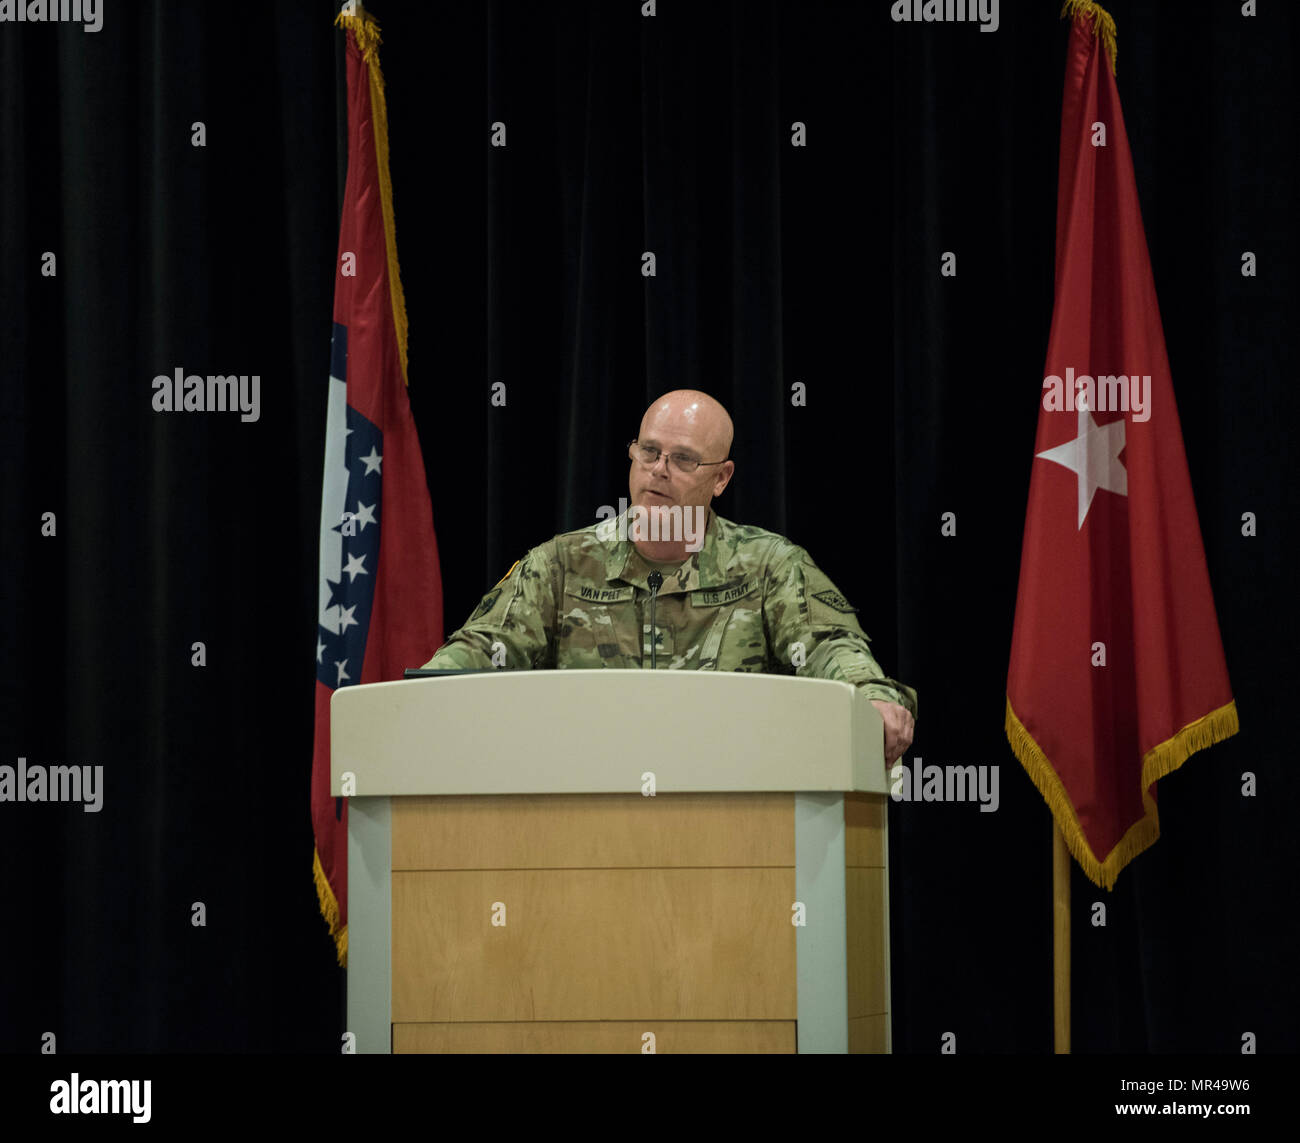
[[1117, 671], [380, 587]]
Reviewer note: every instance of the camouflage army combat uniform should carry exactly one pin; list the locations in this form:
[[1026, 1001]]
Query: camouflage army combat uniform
[[748, 600]]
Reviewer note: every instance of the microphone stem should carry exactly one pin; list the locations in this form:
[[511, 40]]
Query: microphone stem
[[654, 641], [654, 581]]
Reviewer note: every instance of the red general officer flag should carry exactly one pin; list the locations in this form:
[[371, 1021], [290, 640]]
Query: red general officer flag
[[1117, 671], [380, 587]]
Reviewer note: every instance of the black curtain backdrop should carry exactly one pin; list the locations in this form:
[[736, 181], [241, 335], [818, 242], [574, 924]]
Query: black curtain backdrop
[[776, 265]]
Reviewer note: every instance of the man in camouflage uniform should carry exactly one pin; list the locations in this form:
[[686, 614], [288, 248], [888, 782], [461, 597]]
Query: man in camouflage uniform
[[744, 599]]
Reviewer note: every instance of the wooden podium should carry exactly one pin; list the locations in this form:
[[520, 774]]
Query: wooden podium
[[514, 887]]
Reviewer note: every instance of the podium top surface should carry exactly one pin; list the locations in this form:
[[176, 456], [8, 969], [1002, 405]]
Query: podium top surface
[[603, 732]]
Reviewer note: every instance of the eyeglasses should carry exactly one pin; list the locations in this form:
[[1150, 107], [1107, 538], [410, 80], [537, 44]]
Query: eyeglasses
[[649, 456]]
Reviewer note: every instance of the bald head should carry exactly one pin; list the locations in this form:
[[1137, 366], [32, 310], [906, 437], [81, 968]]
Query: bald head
[[688, 412], [684, 427]]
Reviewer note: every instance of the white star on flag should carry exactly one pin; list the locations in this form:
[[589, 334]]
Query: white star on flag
[[365, 514], [356, 566], [371, 462], [1093, 456]]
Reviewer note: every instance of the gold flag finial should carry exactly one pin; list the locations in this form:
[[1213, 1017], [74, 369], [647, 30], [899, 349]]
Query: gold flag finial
[[364, 26], [1103, 24]]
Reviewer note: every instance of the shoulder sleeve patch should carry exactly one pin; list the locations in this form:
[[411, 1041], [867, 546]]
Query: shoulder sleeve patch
[[488, 602], [835, 601]]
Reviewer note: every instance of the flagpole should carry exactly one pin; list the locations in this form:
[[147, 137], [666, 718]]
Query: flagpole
[[1061, 940]]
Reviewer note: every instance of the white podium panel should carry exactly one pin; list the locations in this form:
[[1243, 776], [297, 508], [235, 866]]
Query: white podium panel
[[598, 731]]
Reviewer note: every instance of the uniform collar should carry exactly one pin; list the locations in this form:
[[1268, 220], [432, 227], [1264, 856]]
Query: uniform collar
[[700, 570]]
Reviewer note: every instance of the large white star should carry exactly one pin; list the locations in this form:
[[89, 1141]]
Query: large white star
[[356, 566], [365, 514], [345, 618], [1093, 456], [371, 462]]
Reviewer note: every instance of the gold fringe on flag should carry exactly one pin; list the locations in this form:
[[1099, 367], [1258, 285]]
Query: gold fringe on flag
[[329, 908], [1159, 761], [1102, 24], [366, 30], [1168, 756]]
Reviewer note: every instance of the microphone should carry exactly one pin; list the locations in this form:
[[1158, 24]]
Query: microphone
[[656, 581]]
